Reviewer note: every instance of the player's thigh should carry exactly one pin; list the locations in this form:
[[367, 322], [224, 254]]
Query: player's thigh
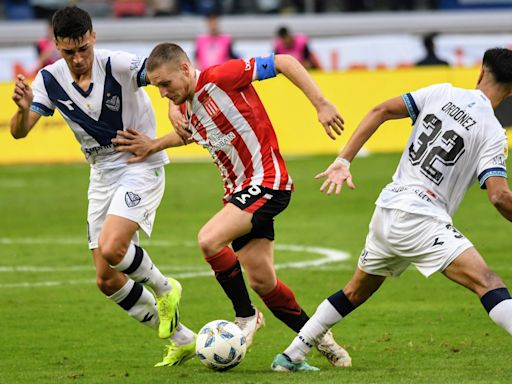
[[378, 256], [257, 258], [264, 204], [427, 242], [227, 224], [138, 195], [470, 270], [102, 188], [116, 235]]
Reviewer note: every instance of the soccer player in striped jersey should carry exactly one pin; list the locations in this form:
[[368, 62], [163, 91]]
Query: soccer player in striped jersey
[[221, 111], [456, 140], [98, 93]]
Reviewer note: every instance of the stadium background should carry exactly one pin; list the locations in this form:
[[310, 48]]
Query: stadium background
[[56, 326]]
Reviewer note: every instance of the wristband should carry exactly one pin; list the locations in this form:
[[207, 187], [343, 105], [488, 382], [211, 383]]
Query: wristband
[[343, 162]]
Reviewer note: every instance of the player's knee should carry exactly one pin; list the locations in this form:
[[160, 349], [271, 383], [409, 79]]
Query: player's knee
[[112, 251], [208, 244]]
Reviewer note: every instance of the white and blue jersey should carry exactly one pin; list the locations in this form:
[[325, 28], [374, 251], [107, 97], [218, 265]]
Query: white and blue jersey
[[456, 140], [114, 101]]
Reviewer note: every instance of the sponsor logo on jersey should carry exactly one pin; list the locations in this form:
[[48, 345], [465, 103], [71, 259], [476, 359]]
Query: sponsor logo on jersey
[[99, 150], [131, 199], [67, 103], [219, 140], [499, 160], [135, 63], [113, 103]]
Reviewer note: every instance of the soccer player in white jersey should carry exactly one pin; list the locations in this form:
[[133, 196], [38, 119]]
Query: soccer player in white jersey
[[97, 92], [456, 139], [225, 115]]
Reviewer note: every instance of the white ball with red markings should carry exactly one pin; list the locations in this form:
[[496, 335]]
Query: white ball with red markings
[[220, 345]]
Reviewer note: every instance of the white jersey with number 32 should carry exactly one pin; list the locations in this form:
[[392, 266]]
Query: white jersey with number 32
[[456, 139]]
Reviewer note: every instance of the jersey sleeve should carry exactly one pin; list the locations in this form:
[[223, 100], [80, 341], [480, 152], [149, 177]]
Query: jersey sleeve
[[492, 161], [415, 101], [130, 67], [238, 74], [233, 74], [41, 103]]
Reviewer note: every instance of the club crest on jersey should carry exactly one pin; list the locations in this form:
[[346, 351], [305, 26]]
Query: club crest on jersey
[[211, 107], [131, 199], [113, 103]]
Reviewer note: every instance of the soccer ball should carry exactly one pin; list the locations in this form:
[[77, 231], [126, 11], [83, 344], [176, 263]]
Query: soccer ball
[[220, 345]]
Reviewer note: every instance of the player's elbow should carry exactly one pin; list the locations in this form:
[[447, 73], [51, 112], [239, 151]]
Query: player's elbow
[[381, 112], [17, 134], [502, 201]]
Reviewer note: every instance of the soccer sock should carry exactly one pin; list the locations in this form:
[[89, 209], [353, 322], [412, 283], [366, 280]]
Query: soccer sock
[[328, 313], [498, 305], [182, 335], [138, 265], [140, 304], [228, 272], [281, 301]]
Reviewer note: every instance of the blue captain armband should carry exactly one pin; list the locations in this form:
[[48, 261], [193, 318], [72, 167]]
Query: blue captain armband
[[490, 172], [411, 107], [42, 109], [265, 67]]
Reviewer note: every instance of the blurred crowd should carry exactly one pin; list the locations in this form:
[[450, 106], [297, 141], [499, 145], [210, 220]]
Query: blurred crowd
[[43, 9]]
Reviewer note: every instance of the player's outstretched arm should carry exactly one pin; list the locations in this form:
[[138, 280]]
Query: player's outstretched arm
[[143, 146], [24, 119], [328, 115], [500, 195], [338, 172]]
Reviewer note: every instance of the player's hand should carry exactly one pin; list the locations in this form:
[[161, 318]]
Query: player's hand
[[330, 119], [135, 142], [179, 122], [22, 95], [336, 175]]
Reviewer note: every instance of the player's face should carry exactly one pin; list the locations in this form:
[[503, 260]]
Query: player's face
[[174, 82], [79, 53]]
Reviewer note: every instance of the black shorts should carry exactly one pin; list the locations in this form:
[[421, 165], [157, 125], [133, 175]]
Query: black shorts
[[264, 204]]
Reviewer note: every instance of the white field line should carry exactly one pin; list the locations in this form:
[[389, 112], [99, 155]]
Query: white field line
[[329, 255]]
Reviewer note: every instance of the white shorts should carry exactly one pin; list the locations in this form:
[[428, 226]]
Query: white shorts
[[397, 239], [132, 192]]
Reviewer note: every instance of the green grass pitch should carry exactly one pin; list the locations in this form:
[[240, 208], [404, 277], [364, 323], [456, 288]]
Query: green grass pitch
[[56, 327]]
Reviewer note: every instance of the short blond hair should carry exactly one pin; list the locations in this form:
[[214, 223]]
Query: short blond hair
[[166, 53]]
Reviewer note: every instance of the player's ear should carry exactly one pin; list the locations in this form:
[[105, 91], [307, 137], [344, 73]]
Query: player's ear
[[185, 67], [94, 37]]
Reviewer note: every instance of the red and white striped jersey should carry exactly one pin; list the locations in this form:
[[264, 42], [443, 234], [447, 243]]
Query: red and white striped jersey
[[227, 117]]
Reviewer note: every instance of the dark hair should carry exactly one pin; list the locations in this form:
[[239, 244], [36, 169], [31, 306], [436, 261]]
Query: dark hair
[[428, 41], [499, 63], [164, 53], [282, 32], [71, 22]]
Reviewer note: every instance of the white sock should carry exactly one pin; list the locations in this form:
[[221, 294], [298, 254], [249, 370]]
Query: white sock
[[140, 304], [138, 265], [182, 335], [323, 319], [501, 314]]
